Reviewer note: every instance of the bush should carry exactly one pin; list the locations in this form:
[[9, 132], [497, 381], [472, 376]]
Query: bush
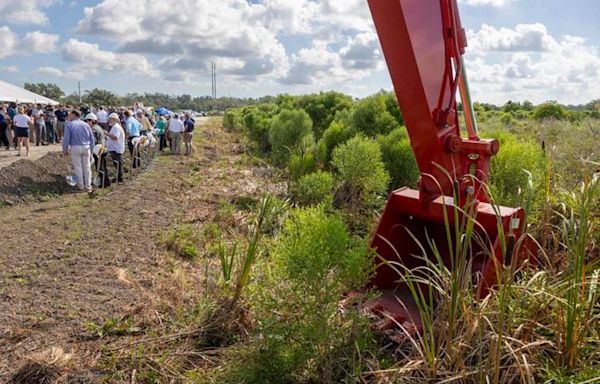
[[508, 169], [336, 134], [314, 189], [323, 108], [256, 124], [300, 165], [360, 168], [302, 336], [371, 117], [232, 120], [287, 132], [399, 159]]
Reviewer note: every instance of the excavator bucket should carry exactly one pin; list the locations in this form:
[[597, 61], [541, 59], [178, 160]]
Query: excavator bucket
[[423, 42], [410, 233]]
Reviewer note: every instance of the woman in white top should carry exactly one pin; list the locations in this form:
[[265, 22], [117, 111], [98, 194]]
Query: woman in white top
[[22, 123]]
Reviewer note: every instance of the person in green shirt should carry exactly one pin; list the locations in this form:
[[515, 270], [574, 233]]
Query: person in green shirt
[[159, 128]]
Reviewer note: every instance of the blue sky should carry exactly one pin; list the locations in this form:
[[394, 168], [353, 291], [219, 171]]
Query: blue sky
[[518, 49]]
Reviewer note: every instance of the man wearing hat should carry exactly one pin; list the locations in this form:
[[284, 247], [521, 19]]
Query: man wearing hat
[[115, 144]]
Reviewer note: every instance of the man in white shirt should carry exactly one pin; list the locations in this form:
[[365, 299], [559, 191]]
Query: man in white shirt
[[102, 116], [176, 129], [115, 145]]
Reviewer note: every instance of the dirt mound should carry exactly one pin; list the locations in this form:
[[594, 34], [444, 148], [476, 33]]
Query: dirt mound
[[26, 180]]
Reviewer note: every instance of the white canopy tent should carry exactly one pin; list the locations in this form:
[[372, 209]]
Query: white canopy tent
[[10, 92]]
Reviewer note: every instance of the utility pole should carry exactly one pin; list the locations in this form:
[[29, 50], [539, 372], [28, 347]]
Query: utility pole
[[213, 68], [79, 90]]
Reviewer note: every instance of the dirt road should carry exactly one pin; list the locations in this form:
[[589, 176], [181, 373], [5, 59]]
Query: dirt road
[[75, 260]]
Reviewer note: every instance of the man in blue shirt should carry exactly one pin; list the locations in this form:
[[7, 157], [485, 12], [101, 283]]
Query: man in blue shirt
[[79, 142], [133, 128]]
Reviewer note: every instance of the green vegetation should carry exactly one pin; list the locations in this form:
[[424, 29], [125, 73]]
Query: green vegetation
[[289, 130], [314, 189], [361, 172], [284, 306]]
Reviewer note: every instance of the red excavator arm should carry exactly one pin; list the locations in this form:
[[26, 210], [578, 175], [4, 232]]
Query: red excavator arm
[[423, 42]]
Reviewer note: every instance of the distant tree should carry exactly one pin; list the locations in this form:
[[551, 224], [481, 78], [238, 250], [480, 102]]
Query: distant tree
[[527, 105], [98, 96], [49, 90], [550, 110], [511, 106]]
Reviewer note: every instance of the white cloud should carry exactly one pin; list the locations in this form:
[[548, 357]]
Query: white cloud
[[56, 72], [321, 64], [528, 63], [25, 11], [493, 3], [10, 69], [244, 38], [8, 42], [39, 42], [524, 38], [32, 42], [87, 57]]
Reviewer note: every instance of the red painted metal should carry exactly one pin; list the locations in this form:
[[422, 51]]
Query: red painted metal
[[422, 42]]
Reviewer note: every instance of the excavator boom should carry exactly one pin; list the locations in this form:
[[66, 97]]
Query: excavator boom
[[423, 42]]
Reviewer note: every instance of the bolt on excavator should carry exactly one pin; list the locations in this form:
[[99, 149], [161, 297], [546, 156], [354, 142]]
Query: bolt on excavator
[[423, 43]]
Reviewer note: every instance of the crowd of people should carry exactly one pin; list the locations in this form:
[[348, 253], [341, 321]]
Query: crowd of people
[[90, 134]]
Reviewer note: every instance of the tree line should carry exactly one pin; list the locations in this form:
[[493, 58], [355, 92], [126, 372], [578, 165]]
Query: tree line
[[99, 96]]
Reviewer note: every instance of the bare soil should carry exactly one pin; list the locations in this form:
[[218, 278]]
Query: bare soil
[[75, 260], [26, 180]]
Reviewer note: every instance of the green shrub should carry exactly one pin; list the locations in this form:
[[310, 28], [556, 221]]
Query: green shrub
[[232, 120], [301, 164], [399, 159], [336, 134], [360, 168], [287, 132], [371, 117], [508, 169], [302, 336], [323, 108], [256, 125], [314, 189]]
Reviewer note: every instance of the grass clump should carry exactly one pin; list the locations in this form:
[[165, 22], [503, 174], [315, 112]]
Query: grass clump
[[184, 241]]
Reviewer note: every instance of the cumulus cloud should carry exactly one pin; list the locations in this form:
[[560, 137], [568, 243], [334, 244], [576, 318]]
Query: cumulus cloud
[[56, 72], [524, 38], [32, 42], [8, 41], [321, 64], [528, 63], [244, 38], [25, 11], [87, 57], [39, 42]]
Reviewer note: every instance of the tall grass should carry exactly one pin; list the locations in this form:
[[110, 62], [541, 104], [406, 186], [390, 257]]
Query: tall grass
[[580, 281], [533, 323]]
